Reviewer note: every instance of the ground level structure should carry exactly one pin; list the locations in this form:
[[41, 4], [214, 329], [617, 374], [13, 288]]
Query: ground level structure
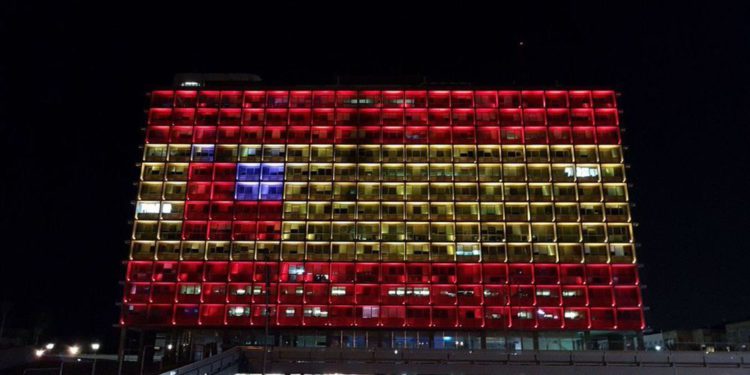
[[249, 360]]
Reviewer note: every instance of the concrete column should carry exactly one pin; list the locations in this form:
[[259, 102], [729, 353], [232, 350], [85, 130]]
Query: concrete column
[[121, 349]]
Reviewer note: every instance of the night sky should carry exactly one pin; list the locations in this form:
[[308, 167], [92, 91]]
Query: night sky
[[73, 77]]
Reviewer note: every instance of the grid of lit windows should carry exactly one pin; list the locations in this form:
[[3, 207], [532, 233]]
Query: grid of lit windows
[[424, 209]]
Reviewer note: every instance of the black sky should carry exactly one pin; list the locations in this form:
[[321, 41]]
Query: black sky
[[73, 77]]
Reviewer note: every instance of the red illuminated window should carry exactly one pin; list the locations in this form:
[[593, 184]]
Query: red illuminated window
[[324, 99], [603, 99], [369, 116], [254, 99], [208, 99], [346, 99], [416, 116], [392, 117], [417, 99], [393, 135], [185, 99], [228, 134], [207, 116], [300, 99], [160, 116], [222, 210], [162, 99], [277, 99], [556, 99], [439, 99], [277, 116], [157, 134], [231, 99], [488, 135], [393, 99], [532, 99], [485, 99], [439, 116], [462, 99], [300, 117], [580, 99]]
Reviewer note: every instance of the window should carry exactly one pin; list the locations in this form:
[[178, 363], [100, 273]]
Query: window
[[316, 312], [191, 289], [582, 172], [239, 311], [203, 153], [370, 312]]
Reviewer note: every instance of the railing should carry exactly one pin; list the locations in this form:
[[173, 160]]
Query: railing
[[603, 358], [226, 363]]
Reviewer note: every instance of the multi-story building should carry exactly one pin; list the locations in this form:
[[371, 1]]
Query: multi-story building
[[393, 217]]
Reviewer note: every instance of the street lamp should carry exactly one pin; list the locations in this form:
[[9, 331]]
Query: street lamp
[[95, 347], [50, 346], [39, 353]]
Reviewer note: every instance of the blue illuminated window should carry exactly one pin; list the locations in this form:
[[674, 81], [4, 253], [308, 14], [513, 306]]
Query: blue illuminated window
[[271, 190], [203, 153], [247, 191], [248, 172], [272, 172]]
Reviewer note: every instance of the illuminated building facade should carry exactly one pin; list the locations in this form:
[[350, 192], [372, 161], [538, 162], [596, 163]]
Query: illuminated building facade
[[394, 210]]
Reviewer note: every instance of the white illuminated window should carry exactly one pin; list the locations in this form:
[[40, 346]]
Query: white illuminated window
[[239, 311], [399, 292], [447, 293], [149, 207], [421, 292], [546, 315], [338, 291], [289, 312], [370, 312], [571, 293], [153, 208], [524, 315], [467, 250], [190, 289], [581, 172], [543, 292], [572, 315], [316, 312], [297, 269], [359, 101]]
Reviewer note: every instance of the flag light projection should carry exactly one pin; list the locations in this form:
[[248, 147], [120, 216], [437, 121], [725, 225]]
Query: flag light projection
[[395, 208]]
